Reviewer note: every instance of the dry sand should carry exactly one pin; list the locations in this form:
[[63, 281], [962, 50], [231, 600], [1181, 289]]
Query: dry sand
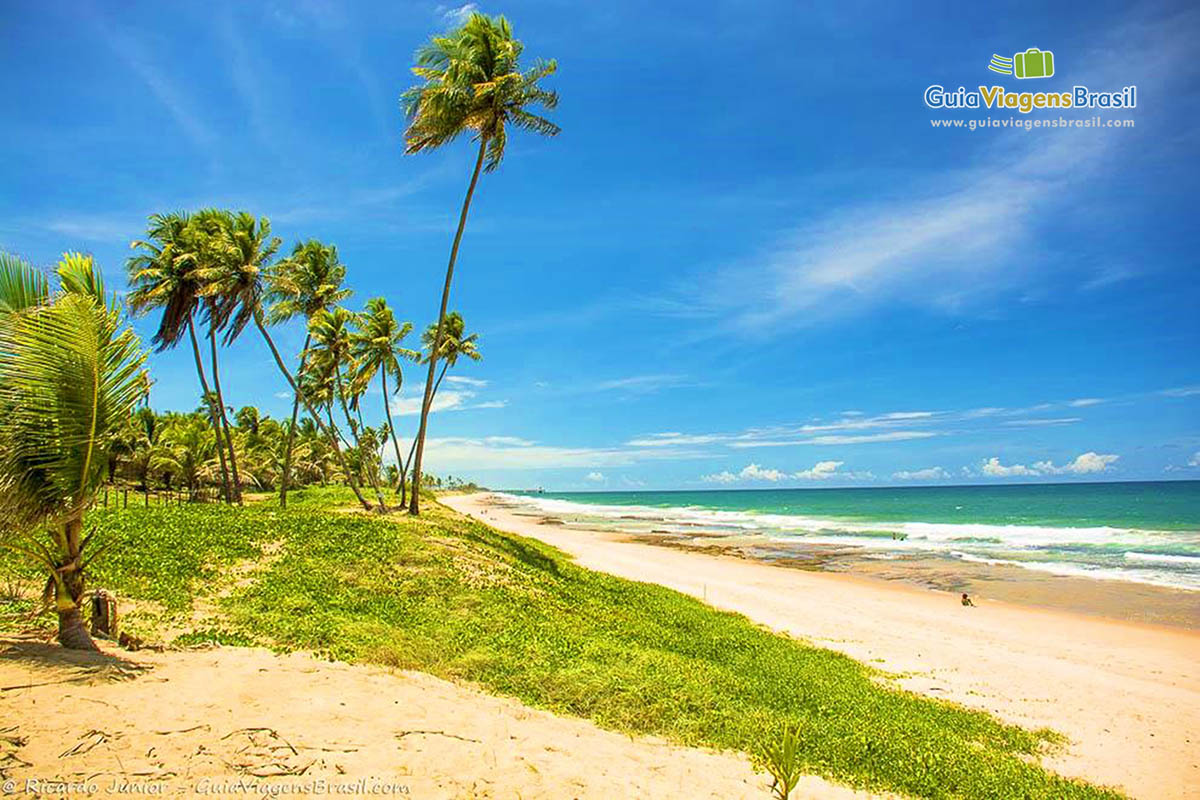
[[1126, 695], [189, 723]]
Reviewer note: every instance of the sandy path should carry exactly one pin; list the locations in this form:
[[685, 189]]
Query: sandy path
[[185, 723], [1128, 696]]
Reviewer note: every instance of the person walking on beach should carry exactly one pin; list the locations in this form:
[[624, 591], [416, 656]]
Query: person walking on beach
[[966, 600]]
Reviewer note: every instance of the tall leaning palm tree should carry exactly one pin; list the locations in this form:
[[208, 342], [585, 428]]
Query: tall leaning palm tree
[[307, 281], [164, 275], [376, 347], [471, 83], [71, 372]]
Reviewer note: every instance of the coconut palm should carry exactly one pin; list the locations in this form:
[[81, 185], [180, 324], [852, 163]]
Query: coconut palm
[[308, 281], [455, 343], [71, 371], [186, 451], [376, 348], [242, 252], [332, 335], [164, 275], [471, 82], [234, 251]]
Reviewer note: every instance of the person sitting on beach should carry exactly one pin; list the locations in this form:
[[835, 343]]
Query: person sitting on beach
[[966, 600]]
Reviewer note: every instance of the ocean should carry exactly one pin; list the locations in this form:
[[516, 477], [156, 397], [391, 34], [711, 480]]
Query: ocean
[[1141, 532]]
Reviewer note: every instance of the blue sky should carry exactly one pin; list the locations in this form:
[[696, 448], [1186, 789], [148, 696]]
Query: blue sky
[[748, 260]]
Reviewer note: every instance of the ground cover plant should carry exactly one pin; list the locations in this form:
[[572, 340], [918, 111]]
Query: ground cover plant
[[455, 598]]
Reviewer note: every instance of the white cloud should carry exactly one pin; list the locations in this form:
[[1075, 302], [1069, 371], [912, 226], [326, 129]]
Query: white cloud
[[1182, 391], [928, 474], [1040, 423], [994, 469], [1195, 462], [822, 470], [461, 380], [596, 477], [456, 15], [1083, 402], [444, 400], [753, 472], [1085, 464]]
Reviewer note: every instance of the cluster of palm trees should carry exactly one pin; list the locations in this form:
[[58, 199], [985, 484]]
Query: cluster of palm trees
[[178, 452], [212, 275], [72, 371]]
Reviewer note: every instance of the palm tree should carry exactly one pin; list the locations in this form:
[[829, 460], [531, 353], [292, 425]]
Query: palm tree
[[332, 335], [164, 275], [186, 449], [235, 253], [239, 283], [454, 344], [308, 281], [376, 348], [472, 81], [71, 371]]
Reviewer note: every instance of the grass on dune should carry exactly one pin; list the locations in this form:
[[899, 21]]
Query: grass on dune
[[458, 599]]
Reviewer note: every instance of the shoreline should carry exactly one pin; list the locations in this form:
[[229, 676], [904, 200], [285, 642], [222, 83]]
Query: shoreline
[[1125, 693]]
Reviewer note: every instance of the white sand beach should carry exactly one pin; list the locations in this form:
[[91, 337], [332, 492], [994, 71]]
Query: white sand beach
[[192, 723], [1126, 695]]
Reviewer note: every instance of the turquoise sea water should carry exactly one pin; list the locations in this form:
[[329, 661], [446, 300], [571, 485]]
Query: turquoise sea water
[[1143, 532]]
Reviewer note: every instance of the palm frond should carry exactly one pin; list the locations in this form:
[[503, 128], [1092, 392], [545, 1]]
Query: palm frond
[[22, 285]]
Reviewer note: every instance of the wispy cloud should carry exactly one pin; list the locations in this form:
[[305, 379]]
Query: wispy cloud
[[642, 384], [462, 380], [455, 15], [1041, 423], [508, 453], [946, 242], [444, 400], [143, 62]]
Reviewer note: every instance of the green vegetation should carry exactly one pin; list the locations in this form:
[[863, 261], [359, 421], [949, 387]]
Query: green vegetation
[[458, 599], [781, 758]]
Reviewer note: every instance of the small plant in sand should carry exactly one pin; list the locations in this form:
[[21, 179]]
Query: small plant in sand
[[780, 757]]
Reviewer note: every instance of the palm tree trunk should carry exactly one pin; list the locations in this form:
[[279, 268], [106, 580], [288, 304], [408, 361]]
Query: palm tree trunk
[[400, 467], [332, 434], [362, 461], [68, 589], [212, 414], [287, 453], [414, 506], [436, 384], [350, 479], [237, 481]]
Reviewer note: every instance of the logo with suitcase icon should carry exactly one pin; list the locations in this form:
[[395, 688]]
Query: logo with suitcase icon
[[1033, 63]]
